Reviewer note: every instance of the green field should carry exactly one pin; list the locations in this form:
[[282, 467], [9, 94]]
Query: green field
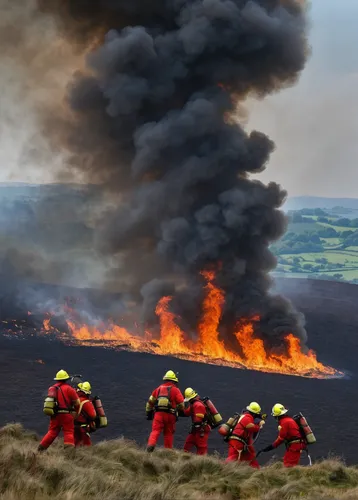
[[334, 257], [296, 227], [336, 228], [330, 242], [303, 251]]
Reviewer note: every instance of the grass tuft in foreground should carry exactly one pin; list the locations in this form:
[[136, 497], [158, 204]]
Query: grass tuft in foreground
[[120, 470]]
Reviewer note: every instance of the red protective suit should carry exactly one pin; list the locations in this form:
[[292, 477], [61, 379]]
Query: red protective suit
[[199, 435], [289, 433], [240, 442], [68, 401], [87, 415], [164, 421]]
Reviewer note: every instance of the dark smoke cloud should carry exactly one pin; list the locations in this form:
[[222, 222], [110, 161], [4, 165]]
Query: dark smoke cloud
[[153, 122]]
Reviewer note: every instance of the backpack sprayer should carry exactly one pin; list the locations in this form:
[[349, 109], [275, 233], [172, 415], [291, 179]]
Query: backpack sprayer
[[213, 416], [227, 429], [101, 419], [306, 433]]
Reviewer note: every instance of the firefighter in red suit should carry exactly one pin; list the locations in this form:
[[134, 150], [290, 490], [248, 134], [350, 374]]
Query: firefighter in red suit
[[86, 416], [67, 405], [288, 433], [241, 440], [164, 403], [200, 429]]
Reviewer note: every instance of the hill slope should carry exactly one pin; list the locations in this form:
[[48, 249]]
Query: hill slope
[[118, 469], [124, 380], [298, 202]]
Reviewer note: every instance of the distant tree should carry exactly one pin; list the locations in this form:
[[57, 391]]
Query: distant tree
[[306, 211], [321, 260], [323, 219], [352, 240], [343, 222], [338, 276], [315, 238], [288, 236], [319, 211], [296, 217], [327, 232], [308, 220], [345, 234]]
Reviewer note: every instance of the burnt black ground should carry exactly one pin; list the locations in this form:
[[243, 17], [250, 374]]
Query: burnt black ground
[[124, 380]]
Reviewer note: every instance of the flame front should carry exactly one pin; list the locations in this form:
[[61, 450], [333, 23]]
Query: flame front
[[249, 352]]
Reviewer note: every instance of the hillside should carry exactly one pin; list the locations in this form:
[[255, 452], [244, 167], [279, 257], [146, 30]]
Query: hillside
[[320, 243], [119, 469], [124, 380], [299, 202]]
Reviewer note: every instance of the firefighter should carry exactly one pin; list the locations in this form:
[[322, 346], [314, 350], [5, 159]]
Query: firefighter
[[164, 403], [86, 416], [288, 433], [241, 440], [67, 404], [200, 429]]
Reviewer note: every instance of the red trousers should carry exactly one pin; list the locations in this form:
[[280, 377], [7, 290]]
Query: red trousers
[[236, 453], [293, 454], [62, 421], [82, 438], [197, 440], [163, 422]]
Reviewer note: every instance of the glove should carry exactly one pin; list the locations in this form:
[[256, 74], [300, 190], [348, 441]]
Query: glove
[[149, 415], [92, 427], [268, 448], [261, 423]]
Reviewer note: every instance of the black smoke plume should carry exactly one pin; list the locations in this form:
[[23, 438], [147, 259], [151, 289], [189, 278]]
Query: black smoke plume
[[153, 121]]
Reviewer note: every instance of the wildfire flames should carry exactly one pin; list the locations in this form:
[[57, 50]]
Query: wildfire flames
[[250, 352]]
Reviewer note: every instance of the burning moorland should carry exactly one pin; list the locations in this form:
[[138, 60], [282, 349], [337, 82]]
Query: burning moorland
[[247, 351]]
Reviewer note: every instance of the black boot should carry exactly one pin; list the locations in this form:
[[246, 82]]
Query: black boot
[[41, 448], [150, 449]]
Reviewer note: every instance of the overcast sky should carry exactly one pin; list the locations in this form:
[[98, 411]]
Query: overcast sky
[[315, 124]]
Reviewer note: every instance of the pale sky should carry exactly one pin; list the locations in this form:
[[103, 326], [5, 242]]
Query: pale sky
[[315, 123]]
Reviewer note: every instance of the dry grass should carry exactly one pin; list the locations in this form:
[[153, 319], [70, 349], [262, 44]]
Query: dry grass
[[120, 470]]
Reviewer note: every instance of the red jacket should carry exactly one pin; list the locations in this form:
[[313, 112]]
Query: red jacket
[[67, 397], [87, 412], [197, 412], [167, 389], [246, 428], [288, 431]]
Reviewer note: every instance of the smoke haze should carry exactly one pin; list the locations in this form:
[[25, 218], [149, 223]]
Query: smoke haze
[[149, 116]]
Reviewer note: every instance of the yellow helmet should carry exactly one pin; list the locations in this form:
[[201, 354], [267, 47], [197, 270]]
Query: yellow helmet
[[278, 410], [170, 375], [254, 408], [62, 375], [189, 394], [85, 387]]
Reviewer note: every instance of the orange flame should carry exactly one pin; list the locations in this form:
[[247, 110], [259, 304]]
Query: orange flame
[[250, 352], [47, 324]]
